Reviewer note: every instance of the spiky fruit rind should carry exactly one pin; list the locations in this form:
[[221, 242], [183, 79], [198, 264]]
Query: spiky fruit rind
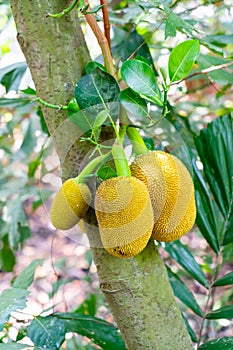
[[125, 215], [70, 204], [172, 193]]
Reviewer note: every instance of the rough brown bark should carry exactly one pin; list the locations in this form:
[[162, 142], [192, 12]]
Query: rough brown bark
[[137, 289]]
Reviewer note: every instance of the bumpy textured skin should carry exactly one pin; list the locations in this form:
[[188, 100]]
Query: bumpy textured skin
[[70, 204], [172, 193], [125, 215]]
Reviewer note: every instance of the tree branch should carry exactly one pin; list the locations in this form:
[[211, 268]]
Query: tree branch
[[106, 21], [205, 71]]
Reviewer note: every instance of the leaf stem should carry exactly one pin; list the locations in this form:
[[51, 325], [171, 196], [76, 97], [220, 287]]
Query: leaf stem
[[210, 295], [50, 105], [121, 163], [92, 166], [139, 146], [64, 12]]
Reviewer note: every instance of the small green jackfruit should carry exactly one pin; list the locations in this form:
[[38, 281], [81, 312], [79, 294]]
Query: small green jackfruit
[[125, 215], [70, 204], [171, 191]]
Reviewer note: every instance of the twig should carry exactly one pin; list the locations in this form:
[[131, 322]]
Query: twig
[[210, 295], [106, 21], [50, 105], [205, 71], [64, 12], [101, 38], [150, 34]]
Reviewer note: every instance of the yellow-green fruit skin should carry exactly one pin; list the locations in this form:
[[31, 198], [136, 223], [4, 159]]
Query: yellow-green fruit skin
[[171, 191], [125, 215], [70, 204]]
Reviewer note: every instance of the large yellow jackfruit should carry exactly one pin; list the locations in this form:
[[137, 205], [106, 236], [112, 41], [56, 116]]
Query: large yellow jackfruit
[[70, 204], [171, 191], [125, 215]]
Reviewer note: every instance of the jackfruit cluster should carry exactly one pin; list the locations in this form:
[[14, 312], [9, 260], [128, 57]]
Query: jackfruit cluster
[[171, 191], [70, 204], [125, 215]]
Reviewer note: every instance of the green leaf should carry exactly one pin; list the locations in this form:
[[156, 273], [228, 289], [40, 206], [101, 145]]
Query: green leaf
[[89, 306], [96, 90], [174, 22], [225, 343], [47, 332], [215, 149], [140, 77], [11, 76], [25, 279], [92, 65], [106, 172], [190, 330], [183, 293], [182, 58], [33, 166], [15, 346], [11, 300], [219, 39], [16, 218], [133, 103], [225, 280], [183, 256], [102, 333], [100, 118], [223, 312], [133, 45], [206, 216], [7, 256]]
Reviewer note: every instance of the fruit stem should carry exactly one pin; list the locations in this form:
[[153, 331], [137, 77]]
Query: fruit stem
[[91, 167], [139, 146], [121, 163]]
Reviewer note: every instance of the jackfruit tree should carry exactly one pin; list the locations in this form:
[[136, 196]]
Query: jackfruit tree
[[131, 191]]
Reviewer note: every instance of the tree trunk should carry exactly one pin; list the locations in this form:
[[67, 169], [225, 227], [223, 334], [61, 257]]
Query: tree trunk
[[137, 289]]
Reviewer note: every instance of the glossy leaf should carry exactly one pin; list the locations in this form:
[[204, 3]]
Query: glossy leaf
[[102, 333], [223, 312], [25, 279], [182, 58], [133, 103], [190, 330], [182, 255], [183, 293], [140, 77], [225, 280], [47, 332], [215, 148], [206, 216], [100, 118], [96, 89], [225, 343], [11, 300], [132, 45], [92, 65], [106, 172], [11, 76]]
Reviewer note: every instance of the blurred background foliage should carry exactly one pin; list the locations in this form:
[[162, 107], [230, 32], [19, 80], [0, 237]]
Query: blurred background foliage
[[200, 265]]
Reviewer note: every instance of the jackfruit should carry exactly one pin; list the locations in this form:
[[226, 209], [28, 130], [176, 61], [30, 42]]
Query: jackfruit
[[125, 215], [171, 191], [70, 204]]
